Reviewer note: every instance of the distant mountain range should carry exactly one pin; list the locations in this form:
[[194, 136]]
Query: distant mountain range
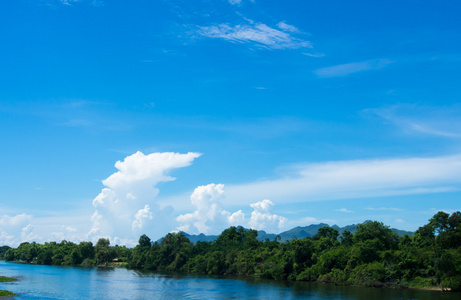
[[297, 232]]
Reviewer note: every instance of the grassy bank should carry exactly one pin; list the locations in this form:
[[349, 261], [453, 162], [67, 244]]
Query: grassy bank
[[7, 279], [4, 293]]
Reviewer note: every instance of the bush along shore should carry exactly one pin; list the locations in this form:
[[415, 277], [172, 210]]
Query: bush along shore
[[373, 256]]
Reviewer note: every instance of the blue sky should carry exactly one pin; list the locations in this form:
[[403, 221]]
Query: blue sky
[[266, 114]]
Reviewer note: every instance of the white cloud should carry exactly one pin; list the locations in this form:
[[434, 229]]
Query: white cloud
[[71, 2], [209, 216], [237, 2], [286, 27], [237, 219], [67, 233], [141, 218], [127, 208], [443, 122], [384, 208], [314, 54], [355, 179], [258, 34], [68, 2], [27, 234], [15, 230], [262, 217], [7, 221], [345, 210], [431, 131], [346, 69]]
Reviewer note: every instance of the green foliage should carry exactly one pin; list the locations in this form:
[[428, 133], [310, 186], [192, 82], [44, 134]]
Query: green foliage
[[373, 256], [420, 282], [302, 252], [327, 232], [377, 230], [336, 276], [347, 239], [7, 279], [103, 252], [9, 255], [3, 250], [371, 274], [144, 241], [4, 293]]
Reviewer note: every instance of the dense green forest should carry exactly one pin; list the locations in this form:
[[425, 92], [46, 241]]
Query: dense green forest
[[372, 256]]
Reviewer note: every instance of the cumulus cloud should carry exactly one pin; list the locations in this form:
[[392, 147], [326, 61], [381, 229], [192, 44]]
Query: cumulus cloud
[[355, 179], [28, 234], [141, 218], [257, 34], [209, 216], [126, 207], [16, 229], [67, 233], [262, 217], [346, 69]]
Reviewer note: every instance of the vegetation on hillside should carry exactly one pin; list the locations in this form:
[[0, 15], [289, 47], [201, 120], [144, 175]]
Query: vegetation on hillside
[[372, 256]]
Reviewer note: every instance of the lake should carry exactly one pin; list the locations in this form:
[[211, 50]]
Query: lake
[[50, 282]]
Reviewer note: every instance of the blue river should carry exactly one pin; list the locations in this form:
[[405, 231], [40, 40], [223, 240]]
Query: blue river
[[49, 282]]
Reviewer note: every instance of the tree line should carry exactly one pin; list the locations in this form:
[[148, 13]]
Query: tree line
[[372, 256]]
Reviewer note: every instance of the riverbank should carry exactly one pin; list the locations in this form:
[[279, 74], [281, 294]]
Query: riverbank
[[374, 256], [52, 282], [5, 293], [7, 279]]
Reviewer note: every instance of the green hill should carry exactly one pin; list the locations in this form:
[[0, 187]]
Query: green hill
[[294, 233]]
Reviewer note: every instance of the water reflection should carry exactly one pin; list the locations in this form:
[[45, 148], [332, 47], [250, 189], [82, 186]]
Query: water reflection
[[46, 282]]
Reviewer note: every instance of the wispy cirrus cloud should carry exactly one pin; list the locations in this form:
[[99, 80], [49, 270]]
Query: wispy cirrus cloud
[[257, 34], [351, 68], [384, 208], [235, 2], [238, 2], [67, 2], [54, 3], [286, 27], [345, 210], [355, 179], [443, 122], [314, 54]]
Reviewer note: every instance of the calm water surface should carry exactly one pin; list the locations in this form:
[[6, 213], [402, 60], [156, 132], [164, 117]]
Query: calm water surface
[[47, 282]]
